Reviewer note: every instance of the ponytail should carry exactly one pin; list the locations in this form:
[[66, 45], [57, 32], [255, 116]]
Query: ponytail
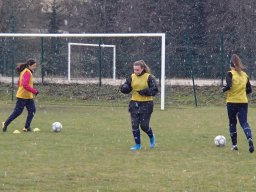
[[237, 63], [22, 66]]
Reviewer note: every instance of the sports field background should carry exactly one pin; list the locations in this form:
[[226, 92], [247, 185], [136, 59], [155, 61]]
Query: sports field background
[[92, 151]]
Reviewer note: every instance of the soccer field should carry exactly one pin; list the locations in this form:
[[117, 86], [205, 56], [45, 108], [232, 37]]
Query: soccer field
[[92, 153]]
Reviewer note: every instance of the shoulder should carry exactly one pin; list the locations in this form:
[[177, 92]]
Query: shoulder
[[229, 73], [147, 75], [244, 73], [26, 73]]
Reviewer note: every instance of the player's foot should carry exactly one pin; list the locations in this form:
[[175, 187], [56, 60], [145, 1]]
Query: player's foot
[[136, 147], [26, 129], [234, 147], [4, 128], [152, 141], [251, 147]]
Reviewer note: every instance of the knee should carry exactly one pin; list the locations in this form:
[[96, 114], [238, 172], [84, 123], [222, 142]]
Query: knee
[[32, 111], [245, 126], [18, 111], [232, 125], [135, 126], [144, 127]]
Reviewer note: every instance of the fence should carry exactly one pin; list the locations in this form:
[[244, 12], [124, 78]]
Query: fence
[[183, 60]]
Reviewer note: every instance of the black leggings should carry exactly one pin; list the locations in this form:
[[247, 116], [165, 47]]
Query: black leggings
[[20, 105], [140, 120]]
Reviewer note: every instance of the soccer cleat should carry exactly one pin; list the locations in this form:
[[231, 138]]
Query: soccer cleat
[[26, 129], [251, 147], [234, 147], [136, 147], [152, 141], [3, 127]]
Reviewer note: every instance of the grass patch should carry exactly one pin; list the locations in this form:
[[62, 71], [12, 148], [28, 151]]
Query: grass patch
[[92, 152]]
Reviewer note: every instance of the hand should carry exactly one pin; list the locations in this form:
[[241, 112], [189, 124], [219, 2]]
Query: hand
[[37, 93], [125, 89], [225, 88], [142, 92]]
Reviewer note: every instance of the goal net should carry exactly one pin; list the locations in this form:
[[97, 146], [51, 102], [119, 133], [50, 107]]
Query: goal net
[[78, 59], [85, 59]]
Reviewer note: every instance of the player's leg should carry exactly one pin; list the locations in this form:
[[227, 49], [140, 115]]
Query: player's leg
[[146, 109], [242, 117], [232, 112], [20, 104], [135, 120], [30, 105], [144, 124]]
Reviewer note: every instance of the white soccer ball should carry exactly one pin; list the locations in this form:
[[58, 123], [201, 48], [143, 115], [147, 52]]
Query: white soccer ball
[[220, 141], [56, 127]]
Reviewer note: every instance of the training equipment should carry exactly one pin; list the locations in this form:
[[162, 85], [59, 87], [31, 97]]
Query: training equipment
[[56, 126], [220, 141], [34, 37], [36, 130], [16, 131], [91, 45]]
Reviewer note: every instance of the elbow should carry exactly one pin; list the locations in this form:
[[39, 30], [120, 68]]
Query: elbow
[[248, 91]]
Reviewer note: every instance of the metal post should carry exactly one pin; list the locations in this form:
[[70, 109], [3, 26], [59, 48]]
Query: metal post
[[42, 59], [163, 72], [100, 62], [222, 58], [12, 52], [13, 30], [69, 58], [189, 61]]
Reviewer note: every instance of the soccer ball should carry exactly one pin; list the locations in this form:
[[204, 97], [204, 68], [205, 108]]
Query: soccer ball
[[56, 126], [220, 141]]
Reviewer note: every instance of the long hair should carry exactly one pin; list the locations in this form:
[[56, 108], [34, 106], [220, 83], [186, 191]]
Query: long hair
[[143, 65], [237, 63], [22, 66]]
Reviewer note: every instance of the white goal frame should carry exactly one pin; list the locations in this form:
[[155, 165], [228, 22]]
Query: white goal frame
[[114, 35], [91, 45]]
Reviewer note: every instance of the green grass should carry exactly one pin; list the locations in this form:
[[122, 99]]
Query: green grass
[[92, 152]]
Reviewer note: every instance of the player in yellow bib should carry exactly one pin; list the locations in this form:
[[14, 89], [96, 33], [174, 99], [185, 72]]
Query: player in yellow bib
[[237, 87], [24, 95], [142, 86]]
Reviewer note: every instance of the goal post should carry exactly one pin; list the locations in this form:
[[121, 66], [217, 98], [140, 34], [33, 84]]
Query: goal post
[[91, 45], [100, 35]]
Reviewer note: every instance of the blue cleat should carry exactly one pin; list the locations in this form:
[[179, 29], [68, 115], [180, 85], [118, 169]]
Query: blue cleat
[[136, 147], [152, 142]]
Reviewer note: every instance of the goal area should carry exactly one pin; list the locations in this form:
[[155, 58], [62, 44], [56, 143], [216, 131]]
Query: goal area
[[84, 58], [70, 44]]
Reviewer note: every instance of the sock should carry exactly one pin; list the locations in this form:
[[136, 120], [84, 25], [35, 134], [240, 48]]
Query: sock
[[233, 138], [248, 132], [136, 135], [150, 132]]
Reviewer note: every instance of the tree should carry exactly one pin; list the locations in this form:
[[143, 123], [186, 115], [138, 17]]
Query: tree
[[54, 58]]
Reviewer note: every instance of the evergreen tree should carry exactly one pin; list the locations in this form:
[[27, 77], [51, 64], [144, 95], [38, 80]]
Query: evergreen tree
[[54, 58]]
